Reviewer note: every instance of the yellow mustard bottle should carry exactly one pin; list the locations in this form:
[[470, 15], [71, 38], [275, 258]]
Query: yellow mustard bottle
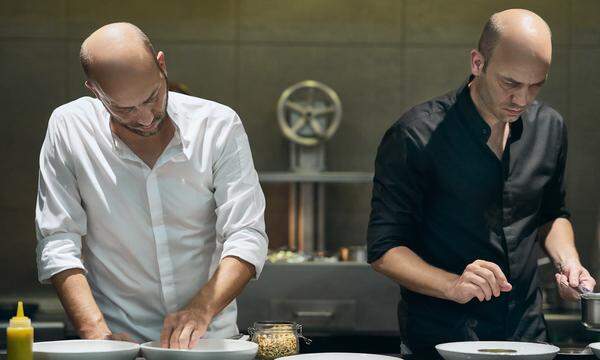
[[19, 337]]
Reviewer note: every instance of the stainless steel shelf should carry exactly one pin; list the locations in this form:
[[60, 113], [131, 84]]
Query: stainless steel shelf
[[316, 177]]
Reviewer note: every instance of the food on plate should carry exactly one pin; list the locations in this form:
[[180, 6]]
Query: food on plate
[[498, 351]]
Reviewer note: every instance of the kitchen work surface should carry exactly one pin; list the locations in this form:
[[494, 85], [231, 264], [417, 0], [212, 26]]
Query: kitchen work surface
[[206, 349], [85, 350], [495, 350]]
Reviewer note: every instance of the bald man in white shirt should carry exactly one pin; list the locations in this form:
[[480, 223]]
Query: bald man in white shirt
[[150, 216]]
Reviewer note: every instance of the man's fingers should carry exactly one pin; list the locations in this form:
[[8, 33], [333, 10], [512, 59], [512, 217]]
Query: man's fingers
[[196, 336], [122, 337], [565, 288], [490, 278], [502, 281], [481, 282], [574, 272], [184, 337], [475, 291], [566, 291], [587, 282], [562, 280], [174, 340], [165, 334]]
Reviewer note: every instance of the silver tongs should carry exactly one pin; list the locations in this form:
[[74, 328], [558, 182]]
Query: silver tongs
[[580, 289]]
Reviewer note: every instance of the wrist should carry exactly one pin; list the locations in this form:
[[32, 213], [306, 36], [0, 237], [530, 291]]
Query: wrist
[[203, 312], [94, 334], [449, 286], [96, 329], [567, 260]]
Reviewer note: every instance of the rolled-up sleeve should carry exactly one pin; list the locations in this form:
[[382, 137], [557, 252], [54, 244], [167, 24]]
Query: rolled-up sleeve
[[239, 199], [396, 202], [59, 217]]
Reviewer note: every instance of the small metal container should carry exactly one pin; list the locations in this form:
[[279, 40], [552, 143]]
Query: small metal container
[[590, 311]]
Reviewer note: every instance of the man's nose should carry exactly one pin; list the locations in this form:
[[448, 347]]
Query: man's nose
[[144, 115], [521, 97]]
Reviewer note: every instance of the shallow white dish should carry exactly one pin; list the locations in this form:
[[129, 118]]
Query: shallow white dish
[[338, 356], [206, 349], [471, 350], [595, 348], [85, 350]]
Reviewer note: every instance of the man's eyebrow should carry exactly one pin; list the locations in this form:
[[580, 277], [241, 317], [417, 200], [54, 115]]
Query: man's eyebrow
[[145, 101], [509, 79]]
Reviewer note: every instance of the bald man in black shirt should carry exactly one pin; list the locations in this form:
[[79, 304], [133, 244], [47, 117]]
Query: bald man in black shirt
[[464, 186]]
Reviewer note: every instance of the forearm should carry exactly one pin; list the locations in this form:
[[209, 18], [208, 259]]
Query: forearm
[[77, 300], [225, 285], [559, 241], [405, 267]]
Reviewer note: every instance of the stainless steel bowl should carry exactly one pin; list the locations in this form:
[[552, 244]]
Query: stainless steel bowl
[[590, 311]]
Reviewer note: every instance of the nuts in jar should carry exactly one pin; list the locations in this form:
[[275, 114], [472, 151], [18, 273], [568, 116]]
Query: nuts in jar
[[276, 339]]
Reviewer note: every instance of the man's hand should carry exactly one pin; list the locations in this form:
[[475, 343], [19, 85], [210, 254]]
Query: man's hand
[[183, 329], [120, 337], [106, 334], [480, 279], [574, 277]]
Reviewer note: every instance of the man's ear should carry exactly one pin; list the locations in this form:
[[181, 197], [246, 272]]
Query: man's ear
[[160, 59], [477, 62], [90, 86]]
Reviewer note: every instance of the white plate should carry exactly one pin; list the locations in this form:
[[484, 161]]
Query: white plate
[[471, 350], [85, 350], [595, 348], [338, 356], [207, 349]]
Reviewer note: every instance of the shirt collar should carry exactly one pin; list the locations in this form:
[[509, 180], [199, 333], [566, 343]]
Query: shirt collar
[[181, 122], [474, 121]]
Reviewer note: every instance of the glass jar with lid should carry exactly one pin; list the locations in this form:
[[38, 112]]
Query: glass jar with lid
[[276, 339]]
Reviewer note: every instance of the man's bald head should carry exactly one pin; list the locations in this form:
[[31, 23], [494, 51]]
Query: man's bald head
[[518, 27], [128, 78], [116, 48], [511, 64]]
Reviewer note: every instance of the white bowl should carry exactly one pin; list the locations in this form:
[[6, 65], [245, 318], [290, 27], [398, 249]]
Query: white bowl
[[595, 348], [85, 350], [206, 349], [472, 350], [338, 356]]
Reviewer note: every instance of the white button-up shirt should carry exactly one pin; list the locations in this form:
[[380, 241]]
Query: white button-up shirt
[[148, 239]]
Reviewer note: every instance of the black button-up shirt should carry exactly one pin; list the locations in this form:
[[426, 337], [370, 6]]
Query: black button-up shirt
[[442, 192]]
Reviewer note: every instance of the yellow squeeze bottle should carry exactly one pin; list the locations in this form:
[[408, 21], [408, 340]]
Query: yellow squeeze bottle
[[19, 337]]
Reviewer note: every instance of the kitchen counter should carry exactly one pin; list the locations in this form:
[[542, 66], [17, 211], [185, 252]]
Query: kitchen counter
[[4, 357]]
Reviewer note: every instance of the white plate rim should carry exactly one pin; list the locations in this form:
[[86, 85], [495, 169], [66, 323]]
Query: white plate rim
[[133, 346], [252, 346], [595, 345], [443, 347]]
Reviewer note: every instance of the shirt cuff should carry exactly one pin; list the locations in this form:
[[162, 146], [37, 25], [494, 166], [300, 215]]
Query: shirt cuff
[[57, 253], [249, 245]]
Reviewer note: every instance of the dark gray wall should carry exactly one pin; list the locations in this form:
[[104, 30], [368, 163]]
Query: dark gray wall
[[381, 56]]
